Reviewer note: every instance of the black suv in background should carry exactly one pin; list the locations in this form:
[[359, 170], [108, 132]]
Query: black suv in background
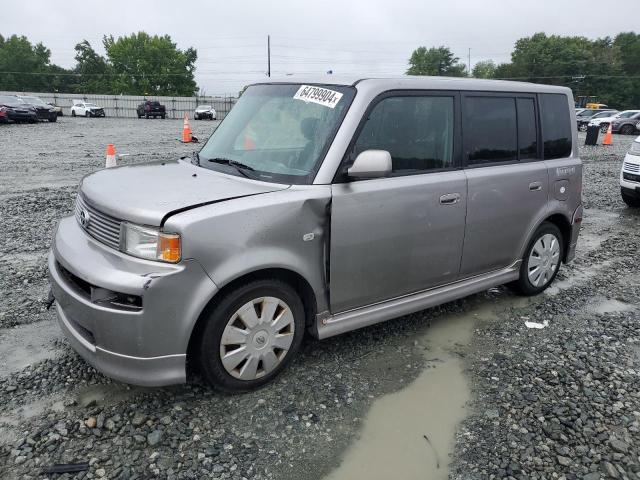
[[15, 110], [150, 108], [44, 110]]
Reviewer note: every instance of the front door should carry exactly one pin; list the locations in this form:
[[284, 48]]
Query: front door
[[401, 234]]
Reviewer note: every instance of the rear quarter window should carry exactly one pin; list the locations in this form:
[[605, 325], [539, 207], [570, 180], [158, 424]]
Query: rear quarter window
[[556, 125]]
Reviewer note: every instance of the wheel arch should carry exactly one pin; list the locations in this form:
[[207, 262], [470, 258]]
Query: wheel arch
[[294, 279], [564, 224]]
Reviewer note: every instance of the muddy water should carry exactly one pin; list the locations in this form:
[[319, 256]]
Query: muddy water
[[410, 434], [27, 344]]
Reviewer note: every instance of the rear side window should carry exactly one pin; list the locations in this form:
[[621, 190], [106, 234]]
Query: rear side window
[[527, 130], [489, 130], [556, 125], [417, 132]]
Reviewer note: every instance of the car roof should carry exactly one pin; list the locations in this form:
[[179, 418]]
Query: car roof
[[407, 82]]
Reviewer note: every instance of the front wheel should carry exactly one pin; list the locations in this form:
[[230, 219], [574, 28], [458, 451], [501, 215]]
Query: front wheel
[[633, 202], [626, 129], [583, 127], [251, 336], [86, 114], [53, 118], [541, 260], [604, 128], [73, 113]]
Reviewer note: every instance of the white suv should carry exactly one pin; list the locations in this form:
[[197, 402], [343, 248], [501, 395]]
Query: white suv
[[630, 175], [85, 109]]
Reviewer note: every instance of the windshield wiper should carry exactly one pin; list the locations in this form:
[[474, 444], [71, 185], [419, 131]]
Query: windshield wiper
[[239, 166]]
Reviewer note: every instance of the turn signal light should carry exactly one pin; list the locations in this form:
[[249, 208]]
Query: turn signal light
[[169, 248]]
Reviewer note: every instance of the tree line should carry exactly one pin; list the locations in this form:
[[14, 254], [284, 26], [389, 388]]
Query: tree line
[[138, 64], [608, 68]]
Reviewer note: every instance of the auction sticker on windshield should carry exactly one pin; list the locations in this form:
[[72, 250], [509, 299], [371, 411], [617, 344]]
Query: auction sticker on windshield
[[321, 96]]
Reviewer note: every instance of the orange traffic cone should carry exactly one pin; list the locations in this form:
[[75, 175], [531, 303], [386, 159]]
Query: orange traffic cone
[[111, 156], [608, 137], [186, 130]]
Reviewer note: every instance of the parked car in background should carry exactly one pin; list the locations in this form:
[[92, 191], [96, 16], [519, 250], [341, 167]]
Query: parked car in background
[[12, 109], [626, 126], [44, 110], [85, 109], [588, 113], [630, 175], [603, 121], [57, 108], [151, 108], [205, 111], [583, 123], [404, 189]]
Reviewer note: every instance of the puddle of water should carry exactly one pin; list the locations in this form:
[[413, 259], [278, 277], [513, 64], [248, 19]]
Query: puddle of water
[[27, 344], [577, 277], [392, 443], [611, 305]]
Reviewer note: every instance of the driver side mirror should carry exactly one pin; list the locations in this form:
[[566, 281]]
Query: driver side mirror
[[371, 164]]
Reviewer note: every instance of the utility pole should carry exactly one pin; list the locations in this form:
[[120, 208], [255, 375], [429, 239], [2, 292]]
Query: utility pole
[[268, 55], [469, 61]]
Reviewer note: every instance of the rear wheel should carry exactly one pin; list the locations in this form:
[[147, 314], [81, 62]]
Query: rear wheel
[[251, 335], [627, 129], [541, 260], [633, 202]]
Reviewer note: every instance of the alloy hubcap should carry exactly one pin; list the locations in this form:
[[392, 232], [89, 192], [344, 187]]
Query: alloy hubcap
[[543, 260], [257, 338]]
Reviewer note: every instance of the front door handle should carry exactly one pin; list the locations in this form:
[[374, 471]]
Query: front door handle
[[535, 186], [450, 199]]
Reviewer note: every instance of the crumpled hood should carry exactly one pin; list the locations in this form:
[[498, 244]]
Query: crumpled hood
[[147, 193]]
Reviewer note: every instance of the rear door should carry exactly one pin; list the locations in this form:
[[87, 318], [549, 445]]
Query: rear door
[[507, 181], [402, 234]]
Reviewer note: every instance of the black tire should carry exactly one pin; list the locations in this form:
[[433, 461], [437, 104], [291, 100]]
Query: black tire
[[626, 129], [54, 118], [583, 127], [73, 113], [523, 285], [633, 202], [604, 128], [208, 345], [146, 115], [87, 114], [162, 117]]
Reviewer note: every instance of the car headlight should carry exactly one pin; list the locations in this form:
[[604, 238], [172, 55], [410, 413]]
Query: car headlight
[[635, 148], [150, 243]]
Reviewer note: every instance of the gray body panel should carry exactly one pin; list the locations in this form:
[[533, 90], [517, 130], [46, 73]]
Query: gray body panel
[[145, 193], [369, 250], [502, 211], [392, 236]]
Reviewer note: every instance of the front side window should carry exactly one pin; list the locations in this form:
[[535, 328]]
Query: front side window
[[417, 132], [490, 130], [556, 125], [278, 133]]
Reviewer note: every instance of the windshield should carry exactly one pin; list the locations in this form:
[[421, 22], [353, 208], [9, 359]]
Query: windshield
[[9, 100], [204, 107], [32, 100], [588, 113], [280, 131], [602, 115], [92, 105]]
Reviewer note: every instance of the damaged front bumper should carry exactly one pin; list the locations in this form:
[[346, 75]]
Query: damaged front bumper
[[130, 318]]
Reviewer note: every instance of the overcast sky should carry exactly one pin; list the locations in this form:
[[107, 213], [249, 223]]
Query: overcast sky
[[345, 36]]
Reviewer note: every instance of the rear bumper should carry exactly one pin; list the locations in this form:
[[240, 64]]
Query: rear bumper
[[144, 346]]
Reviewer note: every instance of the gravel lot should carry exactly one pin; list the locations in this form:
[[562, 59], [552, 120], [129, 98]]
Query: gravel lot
[[559, 402]]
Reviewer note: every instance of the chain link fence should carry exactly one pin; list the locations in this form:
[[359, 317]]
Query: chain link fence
[[125, 105]]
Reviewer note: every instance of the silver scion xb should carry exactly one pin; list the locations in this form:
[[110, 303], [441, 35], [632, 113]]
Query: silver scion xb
[[317, 207]]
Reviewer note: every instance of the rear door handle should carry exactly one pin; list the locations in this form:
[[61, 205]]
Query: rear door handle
[[450, 199], [535, 186]]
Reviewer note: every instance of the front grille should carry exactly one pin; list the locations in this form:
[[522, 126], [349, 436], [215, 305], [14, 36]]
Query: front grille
[[631, 167], [102, 227]]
